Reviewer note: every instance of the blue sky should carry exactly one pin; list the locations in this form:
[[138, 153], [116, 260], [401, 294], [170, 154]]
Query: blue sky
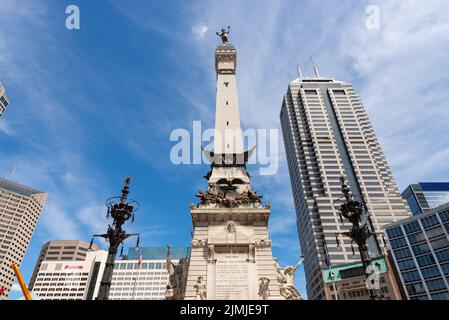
[[91, 106]]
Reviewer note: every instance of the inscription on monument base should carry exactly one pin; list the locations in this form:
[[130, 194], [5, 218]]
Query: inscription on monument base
[[232, 276]]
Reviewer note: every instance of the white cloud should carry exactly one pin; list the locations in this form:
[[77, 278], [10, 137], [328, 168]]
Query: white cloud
[[403, 68], [16, 287], [5, 128], [199, 30], [93, 217]]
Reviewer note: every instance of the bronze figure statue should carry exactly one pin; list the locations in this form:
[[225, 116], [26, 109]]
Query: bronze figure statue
[[224, 35]]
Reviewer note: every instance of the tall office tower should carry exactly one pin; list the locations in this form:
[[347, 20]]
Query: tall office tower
[[327, 134], [20, 208], [420, 250], [70, 279], [3, 100], [146, 280], [426, 195], [60, 250], [231, 256]]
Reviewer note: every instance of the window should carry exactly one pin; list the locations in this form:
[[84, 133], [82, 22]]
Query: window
[[429, 221], [445, 268], [129, 265], [393, 233], [420, 249], [412, 227], [431, 272], [402, 253], [425, 260], [406, 264], [444, 216], [435, 285], [399, 242], [311, 92], [443, 255], [440, 296], [415, 288], [411, 276], [434, 232], [415, 238]]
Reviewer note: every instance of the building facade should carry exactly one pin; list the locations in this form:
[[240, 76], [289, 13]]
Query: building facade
[[327, 134], [146, 280], [70, 279], [61, 250], [20, 208], [348, 281], [426, 195], [420, 249], [63, 275], [3, 100]]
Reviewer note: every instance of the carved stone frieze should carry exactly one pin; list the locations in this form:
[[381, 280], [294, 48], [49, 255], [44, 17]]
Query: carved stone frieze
[[229, 199], [198, 243], [262, 242]]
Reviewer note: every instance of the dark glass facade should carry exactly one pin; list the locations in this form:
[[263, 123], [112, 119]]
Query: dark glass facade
[[158, 253], [420, 250], [426, 195]]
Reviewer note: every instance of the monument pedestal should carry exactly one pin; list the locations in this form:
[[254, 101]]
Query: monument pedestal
[[231, 251]]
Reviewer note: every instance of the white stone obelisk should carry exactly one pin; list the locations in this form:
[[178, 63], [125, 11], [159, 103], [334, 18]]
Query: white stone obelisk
[[231, 252], [228, 134]]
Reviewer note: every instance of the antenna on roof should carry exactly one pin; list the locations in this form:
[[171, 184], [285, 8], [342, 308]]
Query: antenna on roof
[[299, 71], [315, 69], [13, 171]]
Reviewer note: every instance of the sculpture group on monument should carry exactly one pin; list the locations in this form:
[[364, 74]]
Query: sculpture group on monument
[[231, 252]]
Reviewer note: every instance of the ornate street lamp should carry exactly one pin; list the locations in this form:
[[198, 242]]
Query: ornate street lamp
[[357, 213], [120, 210]]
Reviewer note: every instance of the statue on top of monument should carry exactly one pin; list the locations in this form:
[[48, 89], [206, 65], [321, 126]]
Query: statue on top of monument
[[224, 35]]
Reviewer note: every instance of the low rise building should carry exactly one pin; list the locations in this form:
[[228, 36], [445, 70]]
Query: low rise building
[[70, 279], [147, 279], [348, 281], [61, 250]]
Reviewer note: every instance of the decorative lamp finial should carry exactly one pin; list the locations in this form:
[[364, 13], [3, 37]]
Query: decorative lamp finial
[[125, 190]]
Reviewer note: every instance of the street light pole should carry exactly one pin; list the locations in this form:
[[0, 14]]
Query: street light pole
[[360, 231], [120, 211]]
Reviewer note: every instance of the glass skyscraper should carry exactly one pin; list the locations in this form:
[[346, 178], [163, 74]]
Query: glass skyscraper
[[426, 195], [327, 134], [420, 250]]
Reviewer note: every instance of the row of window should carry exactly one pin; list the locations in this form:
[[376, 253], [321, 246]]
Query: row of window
[[145, 265]]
